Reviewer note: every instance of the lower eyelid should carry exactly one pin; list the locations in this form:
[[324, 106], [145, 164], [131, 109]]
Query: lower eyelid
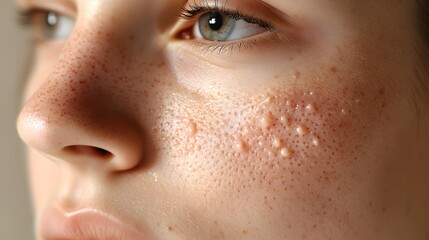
[[204, 47]]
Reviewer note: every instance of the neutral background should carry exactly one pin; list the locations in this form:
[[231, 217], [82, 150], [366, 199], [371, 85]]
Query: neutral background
[[15, 209]]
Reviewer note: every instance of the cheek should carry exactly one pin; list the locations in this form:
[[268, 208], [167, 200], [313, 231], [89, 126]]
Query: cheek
[[289, 143]]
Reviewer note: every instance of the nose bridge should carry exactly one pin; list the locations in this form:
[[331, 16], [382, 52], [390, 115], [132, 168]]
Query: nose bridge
[[76, 115], [78, 82], [115, 23]]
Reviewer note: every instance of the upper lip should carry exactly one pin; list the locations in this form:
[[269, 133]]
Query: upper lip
[[85, 224]]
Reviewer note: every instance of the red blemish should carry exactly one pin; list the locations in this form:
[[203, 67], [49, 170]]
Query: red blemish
[[333, 69]]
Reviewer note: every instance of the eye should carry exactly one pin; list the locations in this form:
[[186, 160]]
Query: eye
[[56, 26], [47, 25], [218, 26]]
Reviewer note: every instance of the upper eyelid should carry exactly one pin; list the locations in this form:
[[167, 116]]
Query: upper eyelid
[[33, 16], [255, 8], [236, 14], [61, 7]]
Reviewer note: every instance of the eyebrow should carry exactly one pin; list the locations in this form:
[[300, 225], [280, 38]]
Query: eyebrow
[[23, 3]]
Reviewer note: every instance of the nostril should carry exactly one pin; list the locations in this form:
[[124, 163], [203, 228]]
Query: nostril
[[88, 151]]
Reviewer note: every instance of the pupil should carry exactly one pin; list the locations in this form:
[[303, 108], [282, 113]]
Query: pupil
[[216, 21], [51, 19]]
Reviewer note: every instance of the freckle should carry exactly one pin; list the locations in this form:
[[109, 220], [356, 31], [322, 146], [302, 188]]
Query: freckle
[[170, 228], [301, 130], [285, 152], [191, 128]]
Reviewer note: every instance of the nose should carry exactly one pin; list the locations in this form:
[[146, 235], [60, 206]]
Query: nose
[[75, 117]]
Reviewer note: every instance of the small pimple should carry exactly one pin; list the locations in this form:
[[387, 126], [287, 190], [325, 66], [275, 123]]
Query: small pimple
[[285, 152], [240, 146], [310, 108], [301, 130], [191, 128], [277, 142], [285, 120], [297, 75], [266, 121], [315, 142]]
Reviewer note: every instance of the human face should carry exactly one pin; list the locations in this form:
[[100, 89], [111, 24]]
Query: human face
[[305, 129]]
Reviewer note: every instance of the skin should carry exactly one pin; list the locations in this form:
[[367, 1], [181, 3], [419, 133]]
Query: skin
[[323, 141]]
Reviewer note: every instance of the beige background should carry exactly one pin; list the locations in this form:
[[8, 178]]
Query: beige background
[[15, 210]]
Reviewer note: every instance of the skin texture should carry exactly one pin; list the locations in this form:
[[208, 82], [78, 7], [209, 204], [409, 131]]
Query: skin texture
[[323, 141]]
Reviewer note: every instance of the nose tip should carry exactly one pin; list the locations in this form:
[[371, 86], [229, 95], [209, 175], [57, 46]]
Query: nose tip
[[113, 144]]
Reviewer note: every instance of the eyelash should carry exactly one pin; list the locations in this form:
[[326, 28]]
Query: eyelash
[[194, 10], [28, 17]]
